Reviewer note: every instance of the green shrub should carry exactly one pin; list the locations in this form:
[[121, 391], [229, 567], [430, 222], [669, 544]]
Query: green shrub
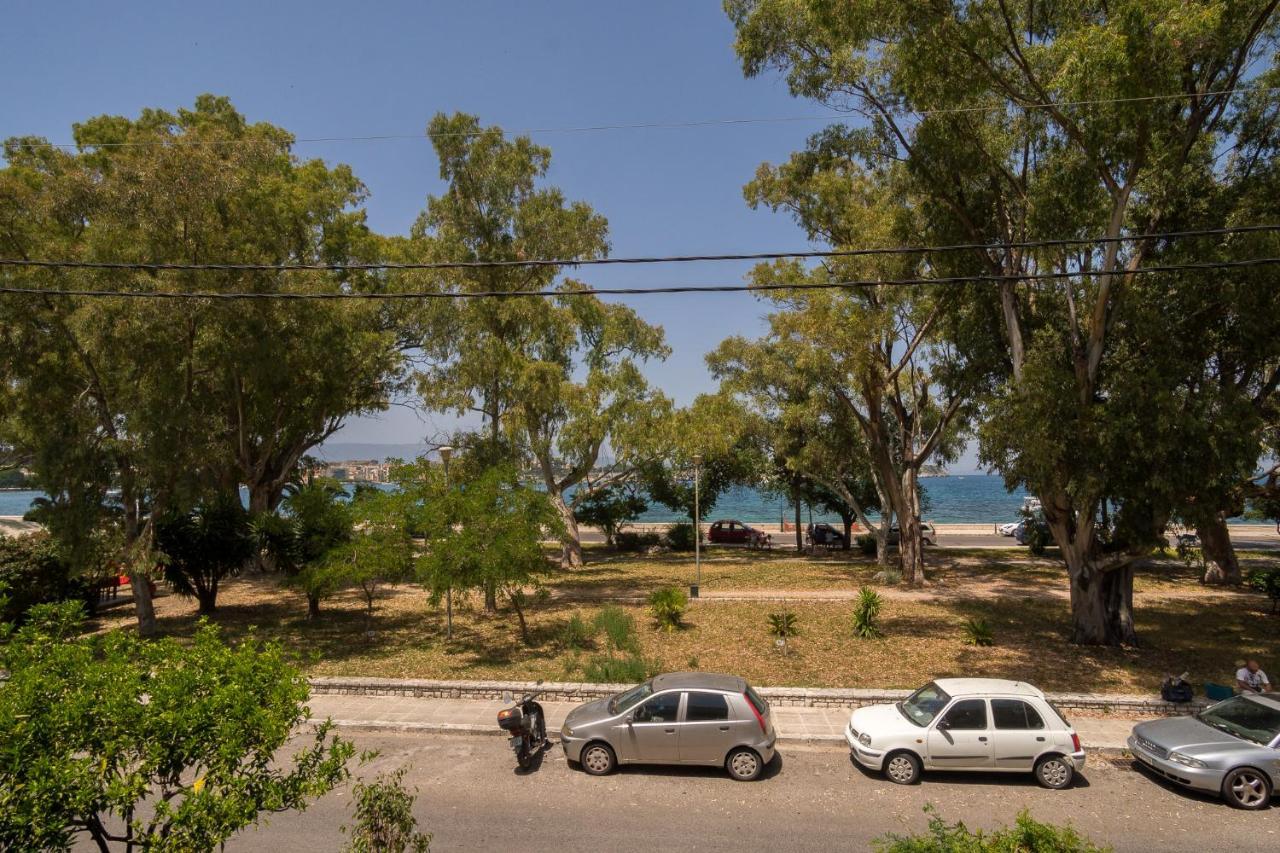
[[636, 541], [866, 544], [575, 634], [619, 630], [1267, 582], [34, 572], [783, 626], [1027, 835], [668, 605], [604, 669], [977, 632], [680, 536], [865, 613], [384, 818]]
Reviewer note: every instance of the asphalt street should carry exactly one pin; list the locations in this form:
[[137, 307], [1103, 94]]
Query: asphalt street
[[471, 797]]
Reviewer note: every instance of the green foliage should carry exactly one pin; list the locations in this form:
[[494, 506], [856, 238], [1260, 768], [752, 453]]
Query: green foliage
[[377, 553], [180, 741], [977, 632], [680, 536], [865, 613], [603, 669], [300, 541], [609, 508], [1266, 581], [619, 630], [482, 530], [576, 634], [384, 821], [34, 572], [201, 548], [637, 541], [13, 478], [1027, 835], [866, 544], [668, 605]]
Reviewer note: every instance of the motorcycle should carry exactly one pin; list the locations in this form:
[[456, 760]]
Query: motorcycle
[[527, 724]]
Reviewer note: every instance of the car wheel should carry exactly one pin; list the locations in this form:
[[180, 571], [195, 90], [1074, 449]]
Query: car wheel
[[744, 764], [1247, 788], [1054, 771], [902, 768], [598, 759]]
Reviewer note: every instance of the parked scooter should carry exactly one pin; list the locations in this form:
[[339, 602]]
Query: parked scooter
[[527, 725]]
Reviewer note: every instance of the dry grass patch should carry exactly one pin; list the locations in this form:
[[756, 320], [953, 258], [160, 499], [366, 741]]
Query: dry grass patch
[[923, 638]]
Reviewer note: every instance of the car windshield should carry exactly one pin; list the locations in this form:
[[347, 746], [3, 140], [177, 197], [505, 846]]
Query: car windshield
[[1243, 718], [923, 705], [630, 697]]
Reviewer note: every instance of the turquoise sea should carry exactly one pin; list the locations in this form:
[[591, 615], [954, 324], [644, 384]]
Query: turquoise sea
[[955, 499]]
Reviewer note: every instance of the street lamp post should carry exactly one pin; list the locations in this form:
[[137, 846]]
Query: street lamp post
[[697, 528], [445, 452]]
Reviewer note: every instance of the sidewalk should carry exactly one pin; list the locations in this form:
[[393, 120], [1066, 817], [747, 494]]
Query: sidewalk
[[479, 717]]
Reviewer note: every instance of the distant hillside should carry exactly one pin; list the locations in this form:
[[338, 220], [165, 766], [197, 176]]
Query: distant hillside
[[341, 451]]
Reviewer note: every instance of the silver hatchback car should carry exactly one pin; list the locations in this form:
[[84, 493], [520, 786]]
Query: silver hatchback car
[[678, 718], [1231, 749]]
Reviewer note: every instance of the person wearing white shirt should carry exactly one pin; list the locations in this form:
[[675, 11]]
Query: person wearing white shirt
[[1251, 679]]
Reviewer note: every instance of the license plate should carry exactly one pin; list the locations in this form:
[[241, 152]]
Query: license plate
[[516, 741]]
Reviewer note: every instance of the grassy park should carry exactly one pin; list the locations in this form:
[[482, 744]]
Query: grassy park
[[1182, 624]]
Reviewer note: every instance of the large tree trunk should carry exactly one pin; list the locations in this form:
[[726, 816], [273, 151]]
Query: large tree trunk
[[1102, 605], [881, 533], [208, 598], [848, 532], [313, 606], [1221, 563], [143, 606], [1101, 585], [571, 541], [910, 538]]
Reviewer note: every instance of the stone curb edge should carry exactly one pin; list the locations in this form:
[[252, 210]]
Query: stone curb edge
[[805, 697], [473, 730]]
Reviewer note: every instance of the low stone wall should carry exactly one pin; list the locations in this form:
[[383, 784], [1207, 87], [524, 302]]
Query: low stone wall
[[1090, 704]]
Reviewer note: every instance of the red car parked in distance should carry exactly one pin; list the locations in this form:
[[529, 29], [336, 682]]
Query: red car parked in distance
[[729, 532]]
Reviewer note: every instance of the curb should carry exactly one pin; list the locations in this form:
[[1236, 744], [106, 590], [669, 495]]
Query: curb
[[1089, 704], [474, 730]]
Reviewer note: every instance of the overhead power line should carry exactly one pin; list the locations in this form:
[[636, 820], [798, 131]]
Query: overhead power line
[[147, 266], [635, 291], [677, 125]]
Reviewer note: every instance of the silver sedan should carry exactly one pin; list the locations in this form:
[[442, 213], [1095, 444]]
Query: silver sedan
[[678, 718], [1231, 749]]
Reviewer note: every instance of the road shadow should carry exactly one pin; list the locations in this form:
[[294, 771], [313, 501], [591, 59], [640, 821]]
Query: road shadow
[[933, 778], [683, 771], [1191, 793]]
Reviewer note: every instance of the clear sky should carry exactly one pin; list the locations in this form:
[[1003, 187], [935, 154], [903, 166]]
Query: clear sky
[[323, 69]]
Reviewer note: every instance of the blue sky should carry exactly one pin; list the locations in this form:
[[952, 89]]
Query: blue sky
[[344, 69]]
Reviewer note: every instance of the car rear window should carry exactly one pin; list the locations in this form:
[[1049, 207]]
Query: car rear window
[[761, 706]]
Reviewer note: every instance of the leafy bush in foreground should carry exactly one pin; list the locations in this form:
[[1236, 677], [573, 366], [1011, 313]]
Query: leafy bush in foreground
[[384, 818], [152, 744], [1027, 835]]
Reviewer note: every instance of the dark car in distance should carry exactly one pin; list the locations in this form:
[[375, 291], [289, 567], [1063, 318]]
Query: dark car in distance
[[731, 532]]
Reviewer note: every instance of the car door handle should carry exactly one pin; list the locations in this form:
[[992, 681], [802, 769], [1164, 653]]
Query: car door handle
[[724, 728], [670, 731], [982, 738], [1040, 739]]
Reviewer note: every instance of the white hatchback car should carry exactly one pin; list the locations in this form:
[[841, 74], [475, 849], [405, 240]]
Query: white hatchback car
[[967, 724]]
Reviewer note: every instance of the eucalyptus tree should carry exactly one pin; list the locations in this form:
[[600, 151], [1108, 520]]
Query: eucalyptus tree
[[1021, 122], [557, 378], [876, 350], [168, 399], [812, 434]]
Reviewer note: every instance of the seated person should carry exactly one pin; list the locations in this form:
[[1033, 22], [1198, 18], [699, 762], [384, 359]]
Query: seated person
[[1251, 679]]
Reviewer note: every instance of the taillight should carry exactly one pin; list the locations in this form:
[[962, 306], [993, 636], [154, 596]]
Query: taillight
[[759, 719], [1075, 742], [507, 714]]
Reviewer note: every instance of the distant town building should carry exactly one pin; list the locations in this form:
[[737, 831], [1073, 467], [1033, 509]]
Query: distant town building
[[356, 471]]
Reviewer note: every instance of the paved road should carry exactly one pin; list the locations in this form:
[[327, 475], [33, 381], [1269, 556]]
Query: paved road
[[471, 798]]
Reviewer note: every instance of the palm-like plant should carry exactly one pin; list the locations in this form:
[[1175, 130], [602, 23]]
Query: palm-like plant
[[977, 632], [865, 613], [783, 626]]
